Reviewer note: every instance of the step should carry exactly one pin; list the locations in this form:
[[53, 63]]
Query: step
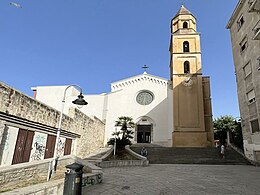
[[173, 155]]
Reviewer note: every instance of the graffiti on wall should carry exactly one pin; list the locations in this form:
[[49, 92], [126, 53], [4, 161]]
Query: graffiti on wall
[[61, 146], [38, 147]]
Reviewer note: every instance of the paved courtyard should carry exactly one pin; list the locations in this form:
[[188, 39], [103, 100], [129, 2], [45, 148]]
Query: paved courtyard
[[179, 179]]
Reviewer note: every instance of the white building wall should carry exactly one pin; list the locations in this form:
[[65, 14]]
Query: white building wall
[[9, 145], [53, 96], [96, 106]]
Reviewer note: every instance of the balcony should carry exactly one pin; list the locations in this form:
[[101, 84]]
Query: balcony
[[254, 5], [256, 30]]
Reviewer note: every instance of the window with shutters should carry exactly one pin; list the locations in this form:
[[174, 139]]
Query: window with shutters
[[247, 69], [251, 96], [243, 45], [240, 22]]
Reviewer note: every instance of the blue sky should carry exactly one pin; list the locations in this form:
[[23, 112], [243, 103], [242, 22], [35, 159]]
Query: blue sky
[[95, 42]]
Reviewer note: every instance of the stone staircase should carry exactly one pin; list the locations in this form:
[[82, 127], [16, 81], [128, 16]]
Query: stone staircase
[[173, 155], [96, 157]]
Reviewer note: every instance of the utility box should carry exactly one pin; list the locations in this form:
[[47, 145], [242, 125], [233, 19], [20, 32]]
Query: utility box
[[73, 179]]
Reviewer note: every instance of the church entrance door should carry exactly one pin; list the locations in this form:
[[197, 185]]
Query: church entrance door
[[144, 133]]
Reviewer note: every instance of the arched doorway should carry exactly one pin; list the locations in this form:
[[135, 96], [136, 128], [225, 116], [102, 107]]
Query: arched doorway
[[144, 133], [144, 130]]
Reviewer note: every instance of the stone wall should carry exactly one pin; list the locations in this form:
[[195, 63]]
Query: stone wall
[[13, 179], [21, 174], [91, 131], [207, 110], [16, 104], [56, 187]]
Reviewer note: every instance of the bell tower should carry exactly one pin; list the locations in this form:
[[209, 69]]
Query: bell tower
[[191, 93]]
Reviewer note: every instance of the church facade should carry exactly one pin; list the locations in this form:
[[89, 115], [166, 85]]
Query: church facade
[[145, 98], [173, 113]]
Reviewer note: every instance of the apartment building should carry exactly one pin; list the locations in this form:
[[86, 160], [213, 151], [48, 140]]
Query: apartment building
[[244, 26]]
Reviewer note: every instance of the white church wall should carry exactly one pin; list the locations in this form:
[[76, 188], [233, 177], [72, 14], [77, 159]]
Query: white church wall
[[114, 103], [123, 103]]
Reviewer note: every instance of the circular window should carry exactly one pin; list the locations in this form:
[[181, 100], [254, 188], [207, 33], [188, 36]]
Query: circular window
[[144, 97]]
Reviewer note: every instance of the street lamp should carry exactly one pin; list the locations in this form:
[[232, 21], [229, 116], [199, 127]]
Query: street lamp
[[79, 101]]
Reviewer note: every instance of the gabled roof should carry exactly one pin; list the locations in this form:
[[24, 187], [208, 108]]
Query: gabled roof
[[183, 11], [138, 78], [140, 75]]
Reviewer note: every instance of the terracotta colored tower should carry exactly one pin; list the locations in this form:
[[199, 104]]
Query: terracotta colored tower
[[191, 91]]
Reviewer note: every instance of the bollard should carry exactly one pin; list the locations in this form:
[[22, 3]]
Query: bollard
[[73, 179]]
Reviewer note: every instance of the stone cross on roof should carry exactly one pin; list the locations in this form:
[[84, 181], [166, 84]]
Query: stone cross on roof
[[145, 67]]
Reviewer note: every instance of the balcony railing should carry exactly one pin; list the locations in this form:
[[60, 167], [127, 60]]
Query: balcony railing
[[254, 5]]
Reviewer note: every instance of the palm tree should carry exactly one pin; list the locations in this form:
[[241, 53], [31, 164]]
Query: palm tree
[[126, 123]]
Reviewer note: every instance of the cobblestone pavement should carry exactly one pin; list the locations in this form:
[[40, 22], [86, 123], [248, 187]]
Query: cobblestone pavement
[[179, 179]]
